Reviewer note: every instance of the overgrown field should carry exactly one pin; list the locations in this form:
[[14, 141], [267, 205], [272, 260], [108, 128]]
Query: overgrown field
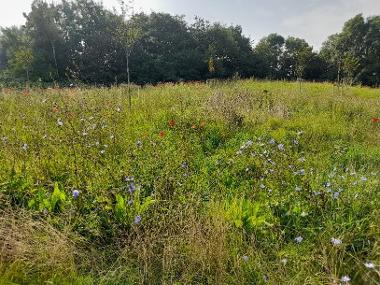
[[239, 182]]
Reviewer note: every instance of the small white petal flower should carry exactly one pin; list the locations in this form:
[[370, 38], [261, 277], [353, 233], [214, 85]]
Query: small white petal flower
[[345, 279], [281, 147], [298, 239], [369, 265], [335, 241]]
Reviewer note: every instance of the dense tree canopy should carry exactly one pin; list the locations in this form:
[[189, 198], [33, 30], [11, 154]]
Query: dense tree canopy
[[81, 41]]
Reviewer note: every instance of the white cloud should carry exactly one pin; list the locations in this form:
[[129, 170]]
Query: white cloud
[[318, 23]]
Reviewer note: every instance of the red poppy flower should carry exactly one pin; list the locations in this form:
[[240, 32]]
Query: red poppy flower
[[375, 120], [194, 127], [162, 134], [171, 123]]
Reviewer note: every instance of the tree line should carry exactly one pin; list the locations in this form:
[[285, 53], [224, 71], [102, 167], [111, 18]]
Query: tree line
[[81, 41]]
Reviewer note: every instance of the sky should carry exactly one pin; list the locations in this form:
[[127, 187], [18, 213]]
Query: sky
[[312, 20]]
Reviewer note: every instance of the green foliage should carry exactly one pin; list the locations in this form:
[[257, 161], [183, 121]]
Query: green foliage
[[246, 214], [53, 203], [354, 51], [82, 42]]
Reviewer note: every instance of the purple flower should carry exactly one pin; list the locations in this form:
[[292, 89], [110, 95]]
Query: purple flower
[[137, 220], [132, 187], [75, 194], [336, 195]]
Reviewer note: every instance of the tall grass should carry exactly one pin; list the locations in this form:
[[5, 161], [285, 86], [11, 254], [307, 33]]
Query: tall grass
[[241, 182]]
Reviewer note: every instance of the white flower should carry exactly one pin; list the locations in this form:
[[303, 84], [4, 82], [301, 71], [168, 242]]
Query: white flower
[[298, 239], [284, 261], [364, 179], [281, 147], [335, 241], [272, 142], [245, 258], [304, 214], [59, 122], [25, 146], [369, 265], [345, 279], [262, 186]]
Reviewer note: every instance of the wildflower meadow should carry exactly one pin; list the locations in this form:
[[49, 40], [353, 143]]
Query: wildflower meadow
[[224, 182]]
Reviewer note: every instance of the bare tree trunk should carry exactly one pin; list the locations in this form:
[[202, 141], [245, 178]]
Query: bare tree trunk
[[27, 80], [55, 60], [339, 74], [129, 84]]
